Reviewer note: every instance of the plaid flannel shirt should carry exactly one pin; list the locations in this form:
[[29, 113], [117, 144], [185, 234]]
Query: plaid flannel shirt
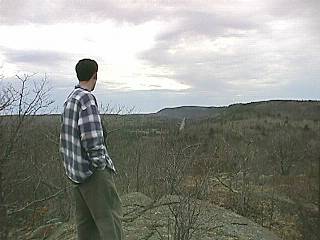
[[82, 143]]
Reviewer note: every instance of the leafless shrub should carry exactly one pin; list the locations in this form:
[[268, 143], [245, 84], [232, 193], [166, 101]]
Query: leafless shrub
[[21, 102]]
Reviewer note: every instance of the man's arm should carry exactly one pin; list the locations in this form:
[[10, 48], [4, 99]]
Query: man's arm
[[91, 135]]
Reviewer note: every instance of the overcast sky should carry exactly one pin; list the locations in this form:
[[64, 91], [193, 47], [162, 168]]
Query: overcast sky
[[154, 54]]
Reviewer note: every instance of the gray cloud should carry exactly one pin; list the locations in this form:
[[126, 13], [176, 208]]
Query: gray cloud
[[37, 57], [48, 12], [211, 24], [41, 61], [293, 8], [264, 62], [58, 67]]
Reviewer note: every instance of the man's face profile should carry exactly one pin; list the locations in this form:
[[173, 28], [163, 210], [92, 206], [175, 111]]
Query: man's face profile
[[95, 77]]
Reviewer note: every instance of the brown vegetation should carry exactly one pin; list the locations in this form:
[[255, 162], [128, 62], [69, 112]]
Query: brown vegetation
[[263, 166]]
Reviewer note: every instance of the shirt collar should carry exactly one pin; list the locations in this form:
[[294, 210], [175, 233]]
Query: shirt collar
[[78, 86]]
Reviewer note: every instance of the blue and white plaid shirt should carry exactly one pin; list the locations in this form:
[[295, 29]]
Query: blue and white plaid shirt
[[82, 143]]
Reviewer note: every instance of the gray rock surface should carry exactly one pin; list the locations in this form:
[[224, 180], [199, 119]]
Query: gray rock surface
[[148, 219]]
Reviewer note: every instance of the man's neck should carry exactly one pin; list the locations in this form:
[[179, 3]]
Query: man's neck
[[85, 85]]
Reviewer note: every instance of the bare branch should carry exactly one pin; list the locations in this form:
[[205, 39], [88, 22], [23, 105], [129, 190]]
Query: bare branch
[[226, 185], [39, 201]]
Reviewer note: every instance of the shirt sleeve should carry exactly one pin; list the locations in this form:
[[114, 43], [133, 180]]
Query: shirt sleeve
[[91, 135]]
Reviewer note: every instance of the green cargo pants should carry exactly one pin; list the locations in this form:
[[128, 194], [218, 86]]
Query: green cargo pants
[[98, 208]]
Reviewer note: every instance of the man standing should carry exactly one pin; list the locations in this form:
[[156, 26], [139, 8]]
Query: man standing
[[86, 160]]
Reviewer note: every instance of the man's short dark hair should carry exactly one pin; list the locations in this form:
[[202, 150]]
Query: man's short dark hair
[[85, 69]]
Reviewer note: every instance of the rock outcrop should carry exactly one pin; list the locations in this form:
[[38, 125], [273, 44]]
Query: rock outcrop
[[154, 220]]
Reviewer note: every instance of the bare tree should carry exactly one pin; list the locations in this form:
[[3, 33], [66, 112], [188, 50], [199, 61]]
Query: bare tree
[[187, 209], [17, 103], [7, 97], [288, 149]]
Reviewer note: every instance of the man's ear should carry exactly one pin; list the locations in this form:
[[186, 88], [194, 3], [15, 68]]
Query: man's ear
[[94, 76]]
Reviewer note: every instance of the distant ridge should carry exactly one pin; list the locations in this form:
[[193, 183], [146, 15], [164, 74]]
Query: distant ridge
[[276, 108], [293, 109], [190, 112]]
